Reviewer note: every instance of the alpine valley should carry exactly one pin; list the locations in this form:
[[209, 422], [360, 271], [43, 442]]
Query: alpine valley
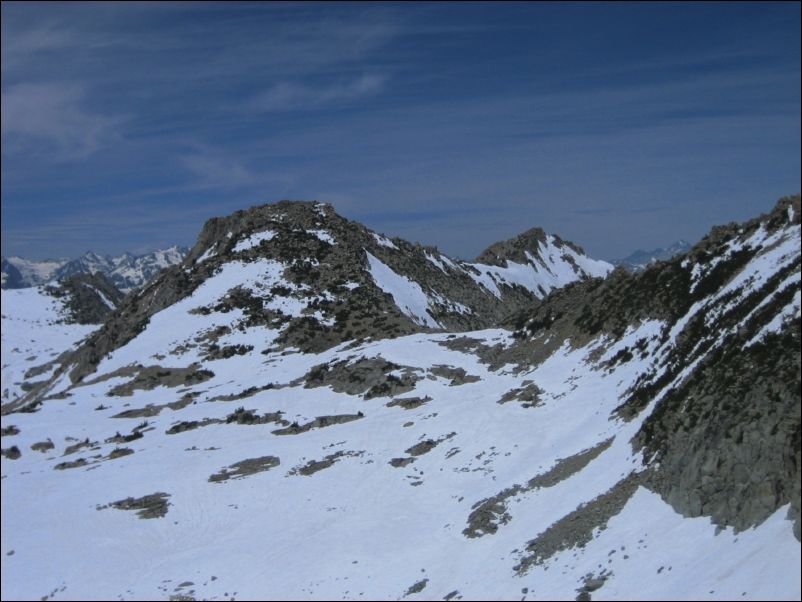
[[302, 408]]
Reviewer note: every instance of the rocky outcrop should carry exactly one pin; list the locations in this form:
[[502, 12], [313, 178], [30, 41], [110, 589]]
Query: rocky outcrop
[[352, 283], [89, 298], [725, 430]]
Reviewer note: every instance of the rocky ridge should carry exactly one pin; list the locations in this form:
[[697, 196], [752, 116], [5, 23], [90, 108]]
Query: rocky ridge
[[331, 280], [725, 386]]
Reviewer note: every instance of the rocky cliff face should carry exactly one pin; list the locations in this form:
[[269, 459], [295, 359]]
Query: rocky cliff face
[[723, 389]]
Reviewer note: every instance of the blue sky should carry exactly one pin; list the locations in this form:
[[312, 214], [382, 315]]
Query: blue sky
[[618, 126]]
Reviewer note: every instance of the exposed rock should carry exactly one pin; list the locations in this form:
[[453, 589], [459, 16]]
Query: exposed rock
[[314, 466], [427, 445], [529, 394], [372, 377], [243, 416], [43, 446], [488, 514], [319, 422], [73, 464], [240, 470], [408, 403], [726, 434], [119, 452], [8, 431], [188, 425], [576, 528], [151, 377], [12, 453], [416, 587], [90, 298], [458, 376], [154, 505]]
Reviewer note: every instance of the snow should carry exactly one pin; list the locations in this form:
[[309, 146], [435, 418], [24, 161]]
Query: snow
[[407, 294], [323, 235], [683, 557], [437, 262], [33, 333], [384, 242], [253, 240], [36, 271], [554, 267], [210, 252], [106, 301], [361, 528], [789, 312]]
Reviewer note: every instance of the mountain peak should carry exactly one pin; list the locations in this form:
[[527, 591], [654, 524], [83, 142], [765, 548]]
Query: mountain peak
[[620, 408], [317, 280]]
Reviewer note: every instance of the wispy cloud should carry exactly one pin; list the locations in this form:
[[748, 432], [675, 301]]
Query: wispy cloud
[[288, 96], [23, 46], [413, 118], [215, 169], [51, 118]]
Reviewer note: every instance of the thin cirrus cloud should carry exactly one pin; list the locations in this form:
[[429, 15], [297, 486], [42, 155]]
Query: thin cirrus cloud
[[415, 118], [289, 96], [217, 170], [51, 118]]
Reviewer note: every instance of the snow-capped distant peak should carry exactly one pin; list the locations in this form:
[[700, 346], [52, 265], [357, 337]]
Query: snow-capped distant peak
[[126, 271], [640, 259]]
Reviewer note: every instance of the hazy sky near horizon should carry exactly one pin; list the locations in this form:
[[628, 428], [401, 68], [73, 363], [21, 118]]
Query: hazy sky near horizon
[[617, 126]]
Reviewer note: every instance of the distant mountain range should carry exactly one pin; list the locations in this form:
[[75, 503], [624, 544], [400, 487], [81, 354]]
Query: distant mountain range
[[126, 271], [638, 260]]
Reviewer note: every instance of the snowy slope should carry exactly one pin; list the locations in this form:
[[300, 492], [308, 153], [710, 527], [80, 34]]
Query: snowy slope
[[34, 332], [552, 267], [431, 465], [360, 526]]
